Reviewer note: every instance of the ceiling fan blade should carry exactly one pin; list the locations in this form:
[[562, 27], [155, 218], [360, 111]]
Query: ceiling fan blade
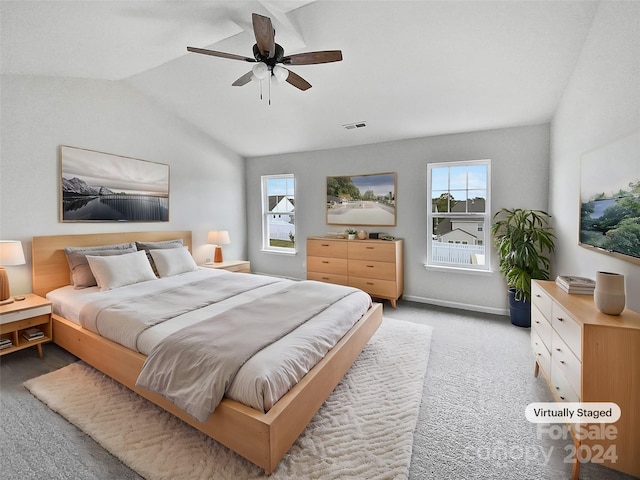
[[244, 79], [265, 35], [312, 58], [220, 54], [297, 81]]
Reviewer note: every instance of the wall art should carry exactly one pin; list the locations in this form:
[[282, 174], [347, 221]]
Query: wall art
[[101, 187], [610, 198], [368, 199]]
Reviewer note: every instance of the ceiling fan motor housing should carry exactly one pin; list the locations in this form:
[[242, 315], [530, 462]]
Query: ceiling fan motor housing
[[277, 56]]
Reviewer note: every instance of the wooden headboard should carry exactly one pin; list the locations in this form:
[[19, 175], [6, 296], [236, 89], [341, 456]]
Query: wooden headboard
[[49, 263]]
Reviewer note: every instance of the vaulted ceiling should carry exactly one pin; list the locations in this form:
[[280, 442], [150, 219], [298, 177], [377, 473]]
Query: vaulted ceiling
[[410, 69]]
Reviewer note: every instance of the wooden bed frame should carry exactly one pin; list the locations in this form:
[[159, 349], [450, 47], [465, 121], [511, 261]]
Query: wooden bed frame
[[261, 438]]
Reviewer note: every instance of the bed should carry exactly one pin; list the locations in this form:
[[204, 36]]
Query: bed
[[262, 438]]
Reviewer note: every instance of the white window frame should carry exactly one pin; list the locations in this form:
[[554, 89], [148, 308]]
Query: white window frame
[[266, 243], [480, 217]]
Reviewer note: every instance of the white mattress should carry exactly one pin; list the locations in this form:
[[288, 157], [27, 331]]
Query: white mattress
[[267, 375]]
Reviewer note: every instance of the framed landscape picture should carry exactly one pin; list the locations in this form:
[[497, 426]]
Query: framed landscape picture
[[362, 200], [101, 187], [610, 199]]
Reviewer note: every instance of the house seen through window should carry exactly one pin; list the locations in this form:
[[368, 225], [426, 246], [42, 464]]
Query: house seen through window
[[278, 213], [458, 217]]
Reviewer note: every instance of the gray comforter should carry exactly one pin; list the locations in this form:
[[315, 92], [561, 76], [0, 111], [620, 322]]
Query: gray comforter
[[194, 367], [123, 318]]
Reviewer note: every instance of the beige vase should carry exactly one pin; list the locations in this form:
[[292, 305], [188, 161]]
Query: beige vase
[[609, 293]]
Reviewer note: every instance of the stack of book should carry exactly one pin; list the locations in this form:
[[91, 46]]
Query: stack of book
[[5, 343], [576, 285], [32, 334]]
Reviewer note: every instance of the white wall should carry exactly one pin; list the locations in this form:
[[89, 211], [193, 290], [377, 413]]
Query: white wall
[[520, 168], [600, 105], [41, 113]]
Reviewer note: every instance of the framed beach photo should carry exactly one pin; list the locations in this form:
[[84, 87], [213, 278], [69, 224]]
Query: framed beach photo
[[368, 200], [610, 199], [101, 187]]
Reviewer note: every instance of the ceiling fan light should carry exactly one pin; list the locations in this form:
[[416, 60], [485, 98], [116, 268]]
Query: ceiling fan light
[[260, 70], [280, 73]]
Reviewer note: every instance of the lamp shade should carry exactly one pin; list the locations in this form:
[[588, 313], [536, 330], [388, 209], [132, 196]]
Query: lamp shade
[[11, 253], [218, 237]]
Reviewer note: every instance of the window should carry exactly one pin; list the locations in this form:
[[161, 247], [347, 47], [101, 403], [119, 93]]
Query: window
[[278, 213], [459, 214]]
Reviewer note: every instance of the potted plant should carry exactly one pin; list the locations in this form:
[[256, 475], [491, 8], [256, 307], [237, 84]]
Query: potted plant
[[351, 233], [523, 238]]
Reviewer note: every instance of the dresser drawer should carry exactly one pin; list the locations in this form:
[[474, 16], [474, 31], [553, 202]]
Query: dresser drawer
[[371, 269], [374, 250], [326, 248], [541, 326], [541, 353], [328, 278], [375, 287], [541, 300], [327, 265], [568, 363], [561, 386], [568, 329]]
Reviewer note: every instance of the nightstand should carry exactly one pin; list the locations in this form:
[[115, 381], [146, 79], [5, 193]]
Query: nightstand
[[17, 318], [231, 265]]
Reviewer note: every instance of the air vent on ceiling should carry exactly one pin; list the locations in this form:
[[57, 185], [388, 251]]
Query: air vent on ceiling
[[351, 126]]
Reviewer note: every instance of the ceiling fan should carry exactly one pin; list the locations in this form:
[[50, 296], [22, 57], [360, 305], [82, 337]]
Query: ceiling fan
[[269, 57]]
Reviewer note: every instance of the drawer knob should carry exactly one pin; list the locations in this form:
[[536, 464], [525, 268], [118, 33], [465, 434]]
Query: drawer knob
[[538, 295], [325, 245], [562, 362], [325, 261], [557, 349], [369, 266], [559, 319], [561, 398], [369, 248], [370, 283], [536, 321]]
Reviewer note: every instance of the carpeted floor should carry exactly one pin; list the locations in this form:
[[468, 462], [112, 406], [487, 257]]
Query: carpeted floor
[[364, 430], [470, 425]]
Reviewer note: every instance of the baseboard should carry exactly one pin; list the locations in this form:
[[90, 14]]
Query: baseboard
[[430, 301], [461, 306]]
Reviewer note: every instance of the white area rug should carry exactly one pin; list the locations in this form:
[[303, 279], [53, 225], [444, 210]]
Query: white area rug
[[363, 430]]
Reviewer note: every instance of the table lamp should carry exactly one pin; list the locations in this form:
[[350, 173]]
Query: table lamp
[[11, 253], [218, 238]]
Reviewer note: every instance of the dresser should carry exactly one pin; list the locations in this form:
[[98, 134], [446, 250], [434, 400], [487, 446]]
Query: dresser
[[587, 356], [375, 266]]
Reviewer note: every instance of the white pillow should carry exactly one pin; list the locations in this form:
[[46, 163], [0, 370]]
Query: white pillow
[[172, 261], [120, 270]]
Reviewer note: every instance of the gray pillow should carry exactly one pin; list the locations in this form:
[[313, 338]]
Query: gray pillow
[[146, 246], [177, 243], [81, 275]]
